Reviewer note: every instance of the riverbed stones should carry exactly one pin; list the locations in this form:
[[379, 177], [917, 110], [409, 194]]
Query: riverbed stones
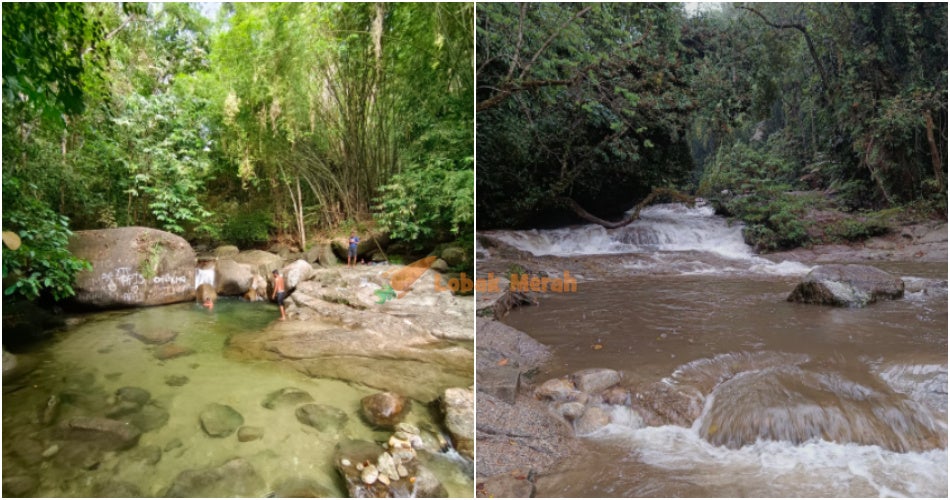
[[288, 396], [616, 396], [105, 433], [595, 380], [149, 418], [594, 419], [250, 433], [324, 418], [134, 395], [505, 486], [171, 351], [299, 487], [226, 252], [458, 405], [219, 420], [572, 410], [116, 489], [176, 380], [384, 409], [558, 389], [847, 285], [20, 485], [133, 266], [234, 478], [153, 336]]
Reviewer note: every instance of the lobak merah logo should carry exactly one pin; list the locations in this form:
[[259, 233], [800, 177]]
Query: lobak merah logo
[[401, 279]]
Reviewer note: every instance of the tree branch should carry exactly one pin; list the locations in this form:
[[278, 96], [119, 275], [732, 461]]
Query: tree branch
[[811, 46], [635, 214]]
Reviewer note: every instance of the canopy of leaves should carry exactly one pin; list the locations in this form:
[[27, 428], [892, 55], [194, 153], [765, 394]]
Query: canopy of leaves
[[588, 102]]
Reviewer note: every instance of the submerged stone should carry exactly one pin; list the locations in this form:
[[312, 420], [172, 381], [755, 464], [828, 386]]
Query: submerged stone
[[220, 420], [288, 396], [321, 417], [235, 478]]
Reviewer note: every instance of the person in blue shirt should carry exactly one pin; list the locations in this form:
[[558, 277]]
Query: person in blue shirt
[[351, 255]]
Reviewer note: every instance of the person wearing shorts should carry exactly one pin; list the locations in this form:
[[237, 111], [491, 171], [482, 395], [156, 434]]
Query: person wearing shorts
[[280, 292], [351, 255]]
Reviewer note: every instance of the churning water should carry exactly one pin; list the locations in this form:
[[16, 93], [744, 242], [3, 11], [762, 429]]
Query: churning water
[[788, 399]]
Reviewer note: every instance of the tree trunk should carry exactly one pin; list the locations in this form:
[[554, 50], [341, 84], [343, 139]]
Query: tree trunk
[[935, 153], [635, 214]]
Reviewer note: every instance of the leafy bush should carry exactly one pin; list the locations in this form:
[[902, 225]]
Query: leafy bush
[[247, 228], [42, 263], [420, 202]]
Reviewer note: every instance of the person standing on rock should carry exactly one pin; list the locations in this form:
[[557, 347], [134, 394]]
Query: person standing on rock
[[280, 292], [351, 255]]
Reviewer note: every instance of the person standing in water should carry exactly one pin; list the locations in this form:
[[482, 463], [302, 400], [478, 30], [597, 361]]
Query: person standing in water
[[351, 255], [280, 292]]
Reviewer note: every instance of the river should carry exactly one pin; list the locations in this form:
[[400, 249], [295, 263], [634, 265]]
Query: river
[[796, 400], [84, 366]]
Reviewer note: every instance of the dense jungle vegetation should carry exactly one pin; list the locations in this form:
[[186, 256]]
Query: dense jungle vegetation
[[263, 122], [775, 112]]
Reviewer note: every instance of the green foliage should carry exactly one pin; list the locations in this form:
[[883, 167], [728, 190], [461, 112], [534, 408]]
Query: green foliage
[[851, 103], [43, 263], [247, 228], [47, 48], [582, 100], [421, 202]]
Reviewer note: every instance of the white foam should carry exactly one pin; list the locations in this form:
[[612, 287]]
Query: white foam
[[776, 468], [664, 232], [204, 277]]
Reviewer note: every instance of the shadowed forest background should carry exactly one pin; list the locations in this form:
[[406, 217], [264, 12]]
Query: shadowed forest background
[[271, 123], [786, 116]]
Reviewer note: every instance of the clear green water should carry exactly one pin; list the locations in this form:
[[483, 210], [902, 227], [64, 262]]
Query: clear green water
[[98, 356]]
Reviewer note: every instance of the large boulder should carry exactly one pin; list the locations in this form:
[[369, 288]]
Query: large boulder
[[385, 409], [133, 266], [458, 405], [322, 253], [847, 285], [233, 278], [261, 262], [296, 272]]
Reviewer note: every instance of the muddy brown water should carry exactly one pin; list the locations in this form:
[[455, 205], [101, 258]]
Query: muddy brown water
[[797, 400]]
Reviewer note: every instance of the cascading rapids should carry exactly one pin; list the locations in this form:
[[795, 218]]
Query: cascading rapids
[[661, 230]]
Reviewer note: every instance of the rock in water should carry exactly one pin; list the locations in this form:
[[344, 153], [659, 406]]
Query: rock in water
[[220, 420], [458, 405], [249, 433], [385, 409], [322, 417], [155, 336], [848, 285], [133, 266], [594, 380], [233, 278], [234, 478], [105, 433], [288, 396]]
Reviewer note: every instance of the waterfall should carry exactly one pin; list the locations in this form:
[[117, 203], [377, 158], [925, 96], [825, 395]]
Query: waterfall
[[664, 231], [204, 276]]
